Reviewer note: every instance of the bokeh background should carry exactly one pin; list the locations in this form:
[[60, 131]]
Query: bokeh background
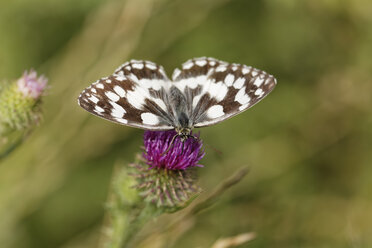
[[308, 144]]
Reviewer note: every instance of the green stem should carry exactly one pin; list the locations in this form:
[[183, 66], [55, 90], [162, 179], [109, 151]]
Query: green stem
[[126, 224], [127, 211]]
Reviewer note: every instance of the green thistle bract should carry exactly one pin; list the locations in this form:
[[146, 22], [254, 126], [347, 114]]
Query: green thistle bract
[[169, 190], [20, 102]]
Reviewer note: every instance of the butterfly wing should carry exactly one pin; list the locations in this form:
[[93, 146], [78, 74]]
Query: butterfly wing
[[135, 95], [217, 90]]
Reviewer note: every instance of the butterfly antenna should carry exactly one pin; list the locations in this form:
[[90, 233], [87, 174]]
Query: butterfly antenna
[[210, 146], [171, 144], [214, 149]]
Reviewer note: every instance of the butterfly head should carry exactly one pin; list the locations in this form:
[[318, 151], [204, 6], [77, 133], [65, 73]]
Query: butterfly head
[[184, 133]]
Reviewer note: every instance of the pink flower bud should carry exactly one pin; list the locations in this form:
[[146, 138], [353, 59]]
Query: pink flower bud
[[31, 85]]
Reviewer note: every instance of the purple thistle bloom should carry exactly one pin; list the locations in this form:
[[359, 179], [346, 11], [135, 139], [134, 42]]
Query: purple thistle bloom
[[180, 156], [31, 85]]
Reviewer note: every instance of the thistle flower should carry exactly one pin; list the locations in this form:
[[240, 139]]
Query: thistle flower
[[166, 173], [19, 102], [180, 156]]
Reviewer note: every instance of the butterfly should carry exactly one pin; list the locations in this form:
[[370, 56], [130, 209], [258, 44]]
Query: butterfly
[[204, 92]]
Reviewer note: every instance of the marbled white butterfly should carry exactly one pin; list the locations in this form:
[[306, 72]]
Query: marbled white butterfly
[[206, 91]]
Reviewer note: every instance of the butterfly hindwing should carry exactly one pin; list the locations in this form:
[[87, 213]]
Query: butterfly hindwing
[[135, 95], [217, 90]]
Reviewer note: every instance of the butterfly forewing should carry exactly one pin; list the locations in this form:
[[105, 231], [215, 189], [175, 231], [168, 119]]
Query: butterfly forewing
[[217, 90], [135, 95]]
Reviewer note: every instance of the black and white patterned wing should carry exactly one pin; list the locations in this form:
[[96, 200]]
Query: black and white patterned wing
[[135, 95], [217, 90]]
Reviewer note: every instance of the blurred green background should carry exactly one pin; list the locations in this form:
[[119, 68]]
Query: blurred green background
[[308, 144]]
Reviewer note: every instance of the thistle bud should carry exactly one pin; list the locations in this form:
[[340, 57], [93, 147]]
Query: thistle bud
[[20, 102]]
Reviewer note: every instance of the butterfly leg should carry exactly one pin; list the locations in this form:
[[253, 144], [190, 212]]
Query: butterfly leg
[[171, 143]]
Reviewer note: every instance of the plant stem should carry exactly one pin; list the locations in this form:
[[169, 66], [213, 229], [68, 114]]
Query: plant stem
[[127, 213]]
